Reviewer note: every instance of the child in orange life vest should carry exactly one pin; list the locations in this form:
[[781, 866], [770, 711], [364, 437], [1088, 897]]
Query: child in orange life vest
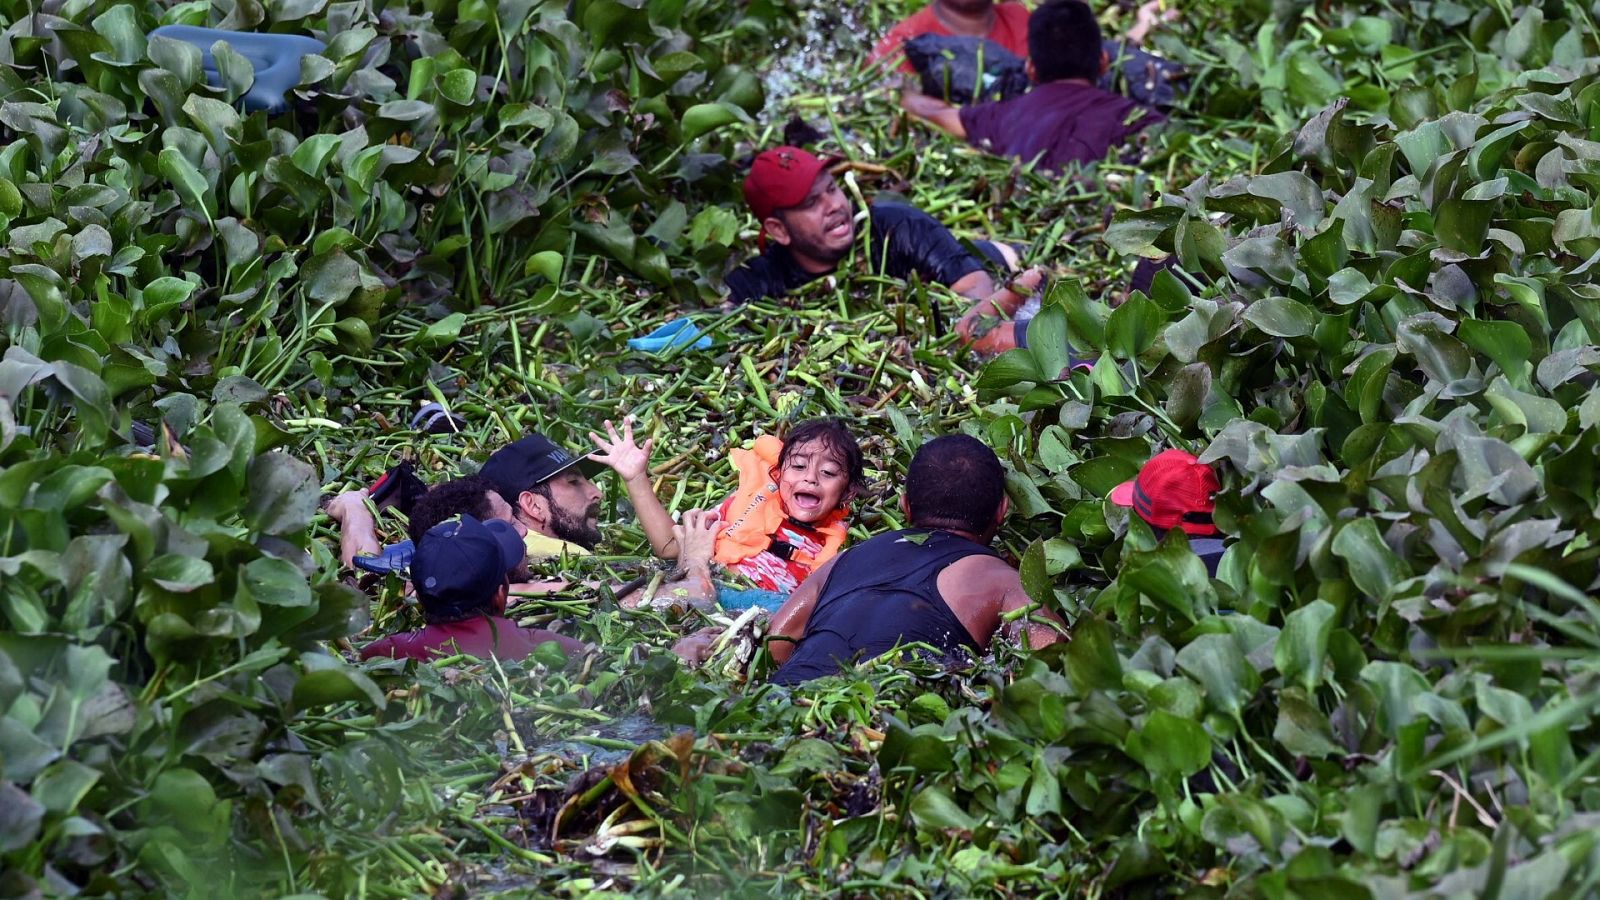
[[788, 515]]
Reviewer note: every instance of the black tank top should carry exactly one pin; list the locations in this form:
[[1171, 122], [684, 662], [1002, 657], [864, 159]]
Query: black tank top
[[882, 593]]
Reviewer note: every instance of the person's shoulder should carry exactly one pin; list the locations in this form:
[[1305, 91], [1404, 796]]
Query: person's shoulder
[[395, 646], [757, 277], [923, 21], [890, 212], [984, 575], [1013, 12]]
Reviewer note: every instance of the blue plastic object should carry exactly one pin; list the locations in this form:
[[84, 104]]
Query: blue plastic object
[[743, 598], [677, 333], [394, 558], [275, 57]]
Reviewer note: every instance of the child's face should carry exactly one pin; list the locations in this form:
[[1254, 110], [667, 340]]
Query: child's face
[[812, 482]]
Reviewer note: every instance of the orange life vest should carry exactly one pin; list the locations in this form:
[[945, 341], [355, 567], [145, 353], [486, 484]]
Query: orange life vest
[[756, 511]]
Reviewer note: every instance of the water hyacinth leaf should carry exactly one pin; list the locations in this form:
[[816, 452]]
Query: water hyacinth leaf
[[188, 181], [934, 810], [1281, 317], [808, 756], [329, 686], [20, 818], [1171, 576], [1373, 567], [1506, 343], [1297, 193], [1397, 686], [1092, 660], [62, 786], [1048, 341], [459, 86], [1010, 368], [1219, 665], [179, 574], [1462, 224], [1302, 729], [703, 118], [283, 493], [275, 582], [1132, 327], [1302, 647], [1261, 256], [1139, 232], [547, 263], [1187, 393], [1169, 746]]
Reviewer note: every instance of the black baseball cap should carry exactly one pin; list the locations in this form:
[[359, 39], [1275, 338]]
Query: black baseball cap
[[532, 460], [460, 564]]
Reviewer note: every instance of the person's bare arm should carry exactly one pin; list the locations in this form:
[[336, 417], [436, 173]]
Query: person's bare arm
[[935, 112], [981, 590], [632, 464], [986, 326], [789, 622], [358, 529], [1039, 634], [1150, 15]]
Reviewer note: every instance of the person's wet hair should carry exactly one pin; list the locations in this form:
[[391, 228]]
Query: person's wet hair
[[444, 501], [835, 439], [955, 481], [1064, 41]]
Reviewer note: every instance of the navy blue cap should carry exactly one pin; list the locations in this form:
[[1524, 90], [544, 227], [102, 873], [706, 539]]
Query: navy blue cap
[[461, 564], [521, 464]]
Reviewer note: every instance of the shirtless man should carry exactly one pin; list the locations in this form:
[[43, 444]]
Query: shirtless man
[[936, 583]]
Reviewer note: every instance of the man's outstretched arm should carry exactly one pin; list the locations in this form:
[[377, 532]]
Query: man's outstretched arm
[[987, 326], [935, 112], [1039, 634], [789, 622]]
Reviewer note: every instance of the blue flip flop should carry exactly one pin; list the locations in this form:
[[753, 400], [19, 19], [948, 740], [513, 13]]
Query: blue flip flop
[[674, 334], [275, 57], [395, 558]]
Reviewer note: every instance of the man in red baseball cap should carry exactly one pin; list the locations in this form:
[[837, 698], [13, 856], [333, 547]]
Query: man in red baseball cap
[[808, 227], [1176, 490]]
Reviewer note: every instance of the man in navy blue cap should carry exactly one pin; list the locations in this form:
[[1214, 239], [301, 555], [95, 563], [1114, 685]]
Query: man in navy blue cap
[[461, 573]]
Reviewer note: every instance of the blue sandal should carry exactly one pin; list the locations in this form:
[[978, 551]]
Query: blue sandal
[[275, 57], [675, 334]]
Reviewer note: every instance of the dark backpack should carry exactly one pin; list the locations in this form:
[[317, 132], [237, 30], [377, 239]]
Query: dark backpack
[[1143, 77], [964, 70]]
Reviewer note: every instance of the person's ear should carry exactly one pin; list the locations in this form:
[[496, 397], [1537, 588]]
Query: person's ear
[[1033, 74], [501, 597], [1003, 511], [535, 509], [905, 507], [1105, 62], [776, 230]]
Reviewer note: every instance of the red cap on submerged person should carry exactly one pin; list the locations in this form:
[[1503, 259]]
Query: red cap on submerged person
[[1173, 490], [780, 178]]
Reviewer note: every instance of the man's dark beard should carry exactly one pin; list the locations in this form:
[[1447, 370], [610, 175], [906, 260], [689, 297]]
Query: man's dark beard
[[575, 529]]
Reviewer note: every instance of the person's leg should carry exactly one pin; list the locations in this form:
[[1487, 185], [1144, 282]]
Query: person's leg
[[358, 530]]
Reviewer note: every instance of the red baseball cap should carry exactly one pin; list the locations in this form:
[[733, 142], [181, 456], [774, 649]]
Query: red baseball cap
[[780, 178], [1173, 490]]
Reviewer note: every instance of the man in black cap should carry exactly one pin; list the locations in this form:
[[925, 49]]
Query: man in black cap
[[546, 488], [550, 494], [461, 574]]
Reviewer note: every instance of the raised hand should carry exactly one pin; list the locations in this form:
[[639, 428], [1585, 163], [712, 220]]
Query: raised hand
[[619, 451]]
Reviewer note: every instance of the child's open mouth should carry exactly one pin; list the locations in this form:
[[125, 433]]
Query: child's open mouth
[[804, 502]]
